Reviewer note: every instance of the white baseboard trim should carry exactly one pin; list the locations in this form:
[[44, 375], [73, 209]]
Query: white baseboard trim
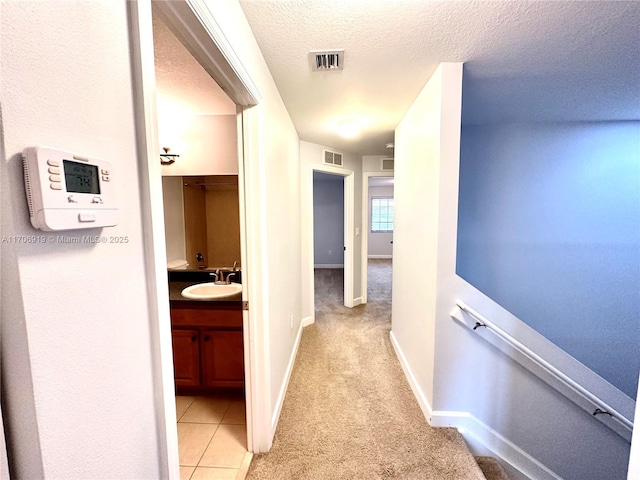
[[283, 390], [306, 321], [357, 301], [329, 265], [481, 438], [379, 256], [413, 383]]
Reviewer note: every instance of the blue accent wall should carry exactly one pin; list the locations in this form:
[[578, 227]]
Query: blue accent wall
[[328, 219], [549, 228]]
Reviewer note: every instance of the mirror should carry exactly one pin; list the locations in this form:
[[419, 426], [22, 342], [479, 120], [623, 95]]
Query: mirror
[[202, 221]]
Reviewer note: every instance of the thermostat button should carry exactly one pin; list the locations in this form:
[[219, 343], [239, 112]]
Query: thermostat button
[[53, 163], [105, 172], [87, 216], [105, 178], [55, 170], [55, 178], [56, 186]]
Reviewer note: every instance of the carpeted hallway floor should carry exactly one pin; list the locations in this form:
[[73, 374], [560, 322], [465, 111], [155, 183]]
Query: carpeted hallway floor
[[349, 412]]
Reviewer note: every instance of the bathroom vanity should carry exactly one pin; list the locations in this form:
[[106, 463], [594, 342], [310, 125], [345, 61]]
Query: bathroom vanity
[[208, 351]]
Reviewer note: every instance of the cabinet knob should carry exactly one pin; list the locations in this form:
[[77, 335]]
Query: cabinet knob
[[194, 338], [206, 338]]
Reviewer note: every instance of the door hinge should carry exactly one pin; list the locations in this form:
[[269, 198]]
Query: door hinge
[[245, 305]]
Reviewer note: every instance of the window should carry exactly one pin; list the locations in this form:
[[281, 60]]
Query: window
[[381, 214]]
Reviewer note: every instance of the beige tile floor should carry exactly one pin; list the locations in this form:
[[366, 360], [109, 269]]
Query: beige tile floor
[[212, 437]]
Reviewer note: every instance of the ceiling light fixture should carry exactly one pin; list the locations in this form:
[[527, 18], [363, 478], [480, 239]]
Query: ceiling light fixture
[[348, 128]]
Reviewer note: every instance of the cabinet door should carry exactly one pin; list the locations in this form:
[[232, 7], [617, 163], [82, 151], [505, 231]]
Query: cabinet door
[[223, 358], [186, 357]]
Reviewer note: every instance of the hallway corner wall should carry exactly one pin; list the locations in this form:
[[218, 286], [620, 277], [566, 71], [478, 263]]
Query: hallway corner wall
[[460, 380]]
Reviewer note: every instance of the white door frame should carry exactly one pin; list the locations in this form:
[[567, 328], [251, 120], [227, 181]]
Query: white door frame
[[365, 227], [349, 230], [194, 24]]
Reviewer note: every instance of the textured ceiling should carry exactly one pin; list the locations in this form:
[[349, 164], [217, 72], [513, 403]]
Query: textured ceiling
[[183, 85], [524, 60]]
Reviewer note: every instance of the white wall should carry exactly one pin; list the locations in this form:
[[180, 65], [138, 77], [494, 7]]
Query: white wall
[[415, 247], [459, 379], [379, 245], [373, 163], [207, 144], [76, 352], [311, 155], [274, 182], [174, 218], [328, 220]]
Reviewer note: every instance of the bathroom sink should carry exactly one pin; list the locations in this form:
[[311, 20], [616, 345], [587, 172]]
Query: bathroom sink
[[211, 290]]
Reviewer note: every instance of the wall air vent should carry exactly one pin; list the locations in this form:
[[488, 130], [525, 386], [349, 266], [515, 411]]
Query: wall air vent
[[322, 60], [387, 164], [332, 158]]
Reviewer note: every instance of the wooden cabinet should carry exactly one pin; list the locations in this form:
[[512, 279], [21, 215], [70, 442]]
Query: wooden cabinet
[[221, 362], [186, 357], [208, 349]]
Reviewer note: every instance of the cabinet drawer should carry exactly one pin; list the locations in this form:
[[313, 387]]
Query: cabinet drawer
[[200, 317]]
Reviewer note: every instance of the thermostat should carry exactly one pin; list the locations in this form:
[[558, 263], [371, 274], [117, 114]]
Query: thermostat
[[68, 191]]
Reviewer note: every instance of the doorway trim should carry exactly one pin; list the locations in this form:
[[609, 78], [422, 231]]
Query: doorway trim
[[194, 24], [349, 229], [365, 228]]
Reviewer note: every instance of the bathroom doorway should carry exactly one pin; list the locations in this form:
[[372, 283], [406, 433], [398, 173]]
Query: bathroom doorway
[[197, 129], [206, 43]]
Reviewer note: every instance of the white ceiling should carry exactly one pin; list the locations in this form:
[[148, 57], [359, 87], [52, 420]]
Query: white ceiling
[[183, 85], [524, 60]]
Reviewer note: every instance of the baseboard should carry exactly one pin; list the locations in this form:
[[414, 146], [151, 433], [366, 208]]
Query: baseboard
[[306, 321], [283, 390], [380, 256], [329, 265], [482, 440], [413, 383], [357, 301]]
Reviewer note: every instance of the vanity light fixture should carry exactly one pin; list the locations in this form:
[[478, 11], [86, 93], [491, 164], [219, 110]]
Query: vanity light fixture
[[167, 158]]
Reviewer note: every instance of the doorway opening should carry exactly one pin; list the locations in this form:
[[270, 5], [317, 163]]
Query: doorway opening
[[328, 236], [377, 225], [206, 43], [330, 179], [197, 125]]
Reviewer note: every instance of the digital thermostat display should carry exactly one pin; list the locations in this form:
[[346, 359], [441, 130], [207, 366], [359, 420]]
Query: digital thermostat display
[[81, 178], [69, 190]]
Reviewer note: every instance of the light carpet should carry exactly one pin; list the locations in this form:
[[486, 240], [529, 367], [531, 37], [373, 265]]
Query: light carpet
[[349, 412]]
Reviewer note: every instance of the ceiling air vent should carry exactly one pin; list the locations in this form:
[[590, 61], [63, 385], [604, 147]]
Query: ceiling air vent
[[322, 60], [332, 158], [387, 164]]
